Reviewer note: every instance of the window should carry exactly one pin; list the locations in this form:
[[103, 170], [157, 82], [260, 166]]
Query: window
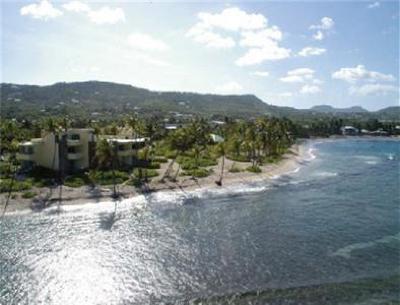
[[75, 137], [71, 150], [26, 150]]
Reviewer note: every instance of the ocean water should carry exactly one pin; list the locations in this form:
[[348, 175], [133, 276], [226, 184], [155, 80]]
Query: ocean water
[[327, 233]]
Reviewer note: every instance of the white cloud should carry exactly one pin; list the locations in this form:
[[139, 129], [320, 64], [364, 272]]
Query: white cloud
[[360, 73], [285, 94], [260, 38], [317, 81], [307, 72], [322, 28], [292, 79], [300, 75], [146, 42], [304, 76], [43, 10], [76, 6], [233, 19], [374, 5], [327, 23], [151, 60], [258, 55], [310, 89], [372, 89], [310, 51], [264, 45], [229, 87], [365, 82], [253, 29], [318, 35], [230, 19], [106, 15], [260, 73], [203, 35]]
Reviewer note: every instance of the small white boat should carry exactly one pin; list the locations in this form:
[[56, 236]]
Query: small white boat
[[390, 157]]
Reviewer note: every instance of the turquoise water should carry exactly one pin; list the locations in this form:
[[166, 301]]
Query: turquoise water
[[328, 233]]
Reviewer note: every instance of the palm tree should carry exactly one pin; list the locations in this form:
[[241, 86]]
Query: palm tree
[[179, 141], [197, 149], [106, 158], [221, 151], [65, 124], [13, 148], [149, 129]]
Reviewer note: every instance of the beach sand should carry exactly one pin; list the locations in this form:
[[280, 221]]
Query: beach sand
[[71, 196]]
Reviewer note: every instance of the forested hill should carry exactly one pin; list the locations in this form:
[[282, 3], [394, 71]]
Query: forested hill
[[105, 99], [110, 98], [330, 109]]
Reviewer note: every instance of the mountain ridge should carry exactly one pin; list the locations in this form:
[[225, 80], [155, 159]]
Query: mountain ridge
[[116, 99], [329, 108]]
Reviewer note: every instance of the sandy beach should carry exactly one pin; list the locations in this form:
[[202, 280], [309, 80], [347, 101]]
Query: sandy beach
[[48, 197]]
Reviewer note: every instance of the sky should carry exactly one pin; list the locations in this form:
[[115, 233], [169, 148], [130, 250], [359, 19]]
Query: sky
[[297, 54]]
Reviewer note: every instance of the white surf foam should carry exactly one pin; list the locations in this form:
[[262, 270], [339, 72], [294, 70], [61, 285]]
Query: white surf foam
[[326, 174], [346, 251], [371, 160], [311, 154]]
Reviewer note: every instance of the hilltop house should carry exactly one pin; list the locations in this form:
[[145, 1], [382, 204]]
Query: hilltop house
[[216, 138]]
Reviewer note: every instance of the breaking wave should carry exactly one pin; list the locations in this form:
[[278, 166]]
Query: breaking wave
[[347, 251]]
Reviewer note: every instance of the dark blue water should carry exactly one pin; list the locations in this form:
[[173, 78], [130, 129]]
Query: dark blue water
[[326, 234]]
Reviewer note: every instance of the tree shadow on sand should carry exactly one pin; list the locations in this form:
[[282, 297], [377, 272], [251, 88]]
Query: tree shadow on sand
[[108, 220]]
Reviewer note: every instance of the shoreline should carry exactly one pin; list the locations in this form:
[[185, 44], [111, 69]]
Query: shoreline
[[48, 197]]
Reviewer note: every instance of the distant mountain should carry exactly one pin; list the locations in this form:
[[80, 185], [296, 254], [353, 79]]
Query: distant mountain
[[104, 98], [390, 113], [330, 109], [96, 99]]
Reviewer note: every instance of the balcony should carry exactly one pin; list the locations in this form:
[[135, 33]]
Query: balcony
[[74, 156], [73, 142], [125, 153], [25, 157]]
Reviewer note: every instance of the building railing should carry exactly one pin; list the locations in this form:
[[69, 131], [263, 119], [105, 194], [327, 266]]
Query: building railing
[[74, 156], [73, 142], [125, 153], [25, 157]]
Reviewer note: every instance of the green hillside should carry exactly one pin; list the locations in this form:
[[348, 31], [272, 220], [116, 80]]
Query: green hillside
[[94, 99]]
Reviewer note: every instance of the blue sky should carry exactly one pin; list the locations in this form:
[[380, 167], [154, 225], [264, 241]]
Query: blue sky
[[297, 54]]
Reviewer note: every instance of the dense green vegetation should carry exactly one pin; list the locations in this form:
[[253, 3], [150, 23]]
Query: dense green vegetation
[[91, 100], [259, 135], [190, 149]]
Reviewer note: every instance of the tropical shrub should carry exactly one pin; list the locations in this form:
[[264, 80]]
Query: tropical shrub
[[197, 172], [144, 172], [254, 169], [238, 158], [153, 165], [17, 186], [28, 194], [106, 177], [72, 181], [188, 163], [136, 182], [234, 169], [160, 159], [5, 169], [273, 159]]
